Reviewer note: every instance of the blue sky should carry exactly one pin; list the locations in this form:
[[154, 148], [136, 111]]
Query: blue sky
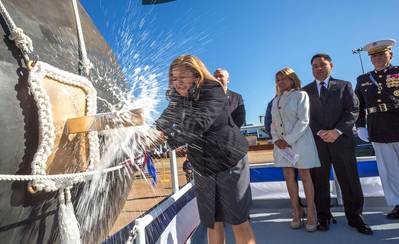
[[252, 39]]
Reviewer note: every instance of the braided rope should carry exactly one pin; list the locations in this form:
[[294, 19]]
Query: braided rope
[[22, 41], [46, 123], [75, 177], [60, 181], [85, 64], [91, 103], [6, 16]]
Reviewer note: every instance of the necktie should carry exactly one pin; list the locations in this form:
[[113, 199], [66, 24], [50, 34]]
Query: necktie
[[323, 92]]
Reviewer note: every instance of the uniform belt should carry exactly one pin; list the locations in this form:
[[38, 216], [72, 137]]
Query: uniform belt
[[382, 107]]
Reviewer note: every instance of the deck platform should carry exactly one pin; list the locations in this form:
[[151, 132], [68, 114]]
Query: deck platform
[[270, 220]]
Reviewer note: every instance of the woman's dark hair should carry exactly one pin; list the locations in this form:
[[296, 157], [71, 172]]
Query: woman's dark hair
[[321, 55]]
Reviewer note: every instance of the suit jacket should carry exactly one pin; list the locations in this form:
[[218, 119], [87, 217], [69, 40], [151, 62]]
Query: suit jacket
[[340, 110], [268, 116], [237, 108]]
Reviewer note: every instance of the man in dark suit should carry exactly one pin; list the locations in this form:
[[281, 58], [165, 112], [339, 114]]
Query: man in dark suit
[[236, 102], [333, 111]]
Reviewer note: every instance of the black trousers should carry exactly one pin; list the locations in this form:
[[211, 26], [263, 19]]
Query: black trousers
[[342, 157]]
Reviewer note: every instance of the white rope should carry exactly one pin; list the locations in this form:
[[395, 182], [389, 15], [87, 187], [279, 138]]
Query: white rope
[[60, 181], [76, 177], [46, 124], [68, 224], [91, 103], [22, 41], [84, 63]]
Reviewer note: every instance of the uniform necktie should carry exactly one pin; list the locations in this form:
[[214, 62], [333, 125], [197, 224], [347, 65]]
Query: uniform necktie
[[323, 92]]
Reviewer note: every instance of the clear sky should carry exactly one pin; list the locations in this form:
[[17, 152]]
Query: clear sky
[[251, 38]]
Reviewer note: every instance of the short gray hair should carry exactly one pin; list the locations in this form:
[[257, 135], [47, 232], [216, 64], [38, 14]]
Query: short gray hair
[[222, 70]]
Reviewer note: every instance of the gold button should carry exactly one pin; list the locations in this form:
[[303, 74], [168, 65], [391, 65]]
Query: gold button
[[380, 76]]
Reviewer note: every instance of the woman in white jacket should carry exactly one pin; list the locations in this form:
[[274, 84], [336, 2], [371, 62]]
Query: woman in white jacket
[[294, 143]]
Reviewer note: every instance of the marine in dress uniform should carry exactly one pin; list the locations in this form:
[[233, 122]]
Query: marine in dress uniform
[[378, 93]]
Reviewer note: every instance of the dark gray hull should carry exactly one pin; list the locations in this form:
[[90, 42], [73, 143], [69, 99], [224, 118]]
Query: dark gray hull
[[25, 217]]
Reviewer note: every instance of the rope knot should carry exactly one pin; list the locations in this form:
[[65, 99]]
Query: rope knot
[[22, 41], [85, 65]]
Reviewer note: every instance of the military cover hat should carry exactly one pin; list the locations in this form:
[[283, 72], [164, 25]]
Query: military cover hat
[[379, 46]]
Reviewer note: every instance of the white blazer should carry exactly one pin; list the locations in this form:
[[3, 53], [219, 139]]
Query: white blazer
[[290, 121]]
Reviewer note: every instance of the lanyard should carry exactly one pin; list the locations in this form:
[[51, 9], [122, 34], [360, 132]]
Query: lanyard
[[379, 87]]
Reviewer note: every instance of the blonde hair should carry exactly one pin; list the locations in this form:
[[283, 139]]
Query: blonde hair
[[290, 73], [195, 65]]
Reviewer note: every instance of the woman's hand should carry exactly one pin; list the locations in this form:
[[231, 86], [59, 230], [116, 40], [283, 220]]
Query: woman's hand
[[281, 143], [181, 151], [159, 137], [151, 140]]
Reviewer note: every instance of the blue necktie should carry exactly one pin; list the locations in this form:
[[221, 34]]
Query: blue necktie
[[323, 92]]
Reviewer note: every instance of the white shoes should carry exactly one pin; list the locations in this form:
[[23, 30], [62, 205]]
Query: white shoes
[[311, 227], [297, 224]]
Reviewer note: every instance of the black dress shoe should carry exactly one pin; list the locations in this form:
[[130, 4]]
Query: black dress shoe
[[323, 225], [363, 228], [394, 214], [358, 223]]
